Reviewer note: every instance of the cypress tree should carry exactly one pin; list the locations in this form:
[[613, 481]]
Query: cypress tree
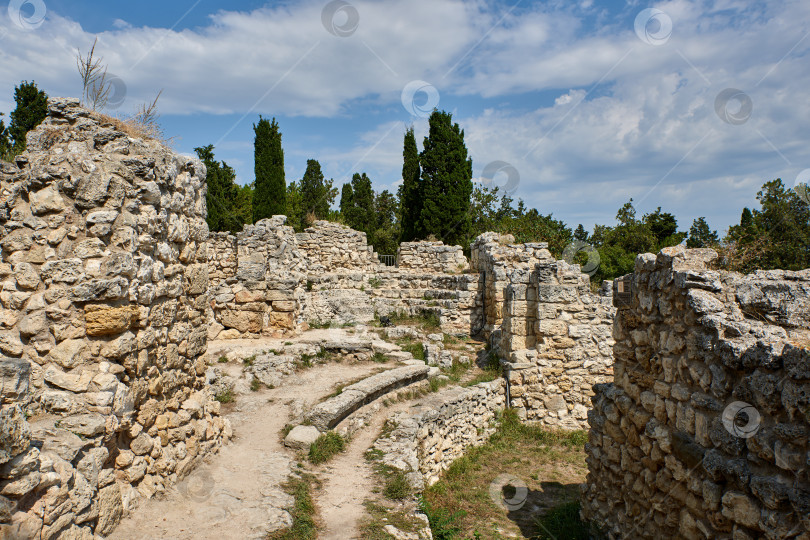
[[446, 181], [317, 193], [222, 196], [409, 193], [347, 203], [269, 197], [32, 108], [362, 216]]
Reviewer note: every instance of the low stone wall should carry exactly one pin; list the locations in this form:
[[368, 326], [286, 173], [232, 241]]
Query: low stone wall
[[425, 442], [431, 257], [104, 277], [704, 433], [356, 297], [331, 246]]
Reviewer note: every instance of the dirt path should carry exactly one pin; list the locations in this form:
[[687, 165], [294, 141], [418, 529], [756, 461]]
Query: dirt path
[[237, 493]]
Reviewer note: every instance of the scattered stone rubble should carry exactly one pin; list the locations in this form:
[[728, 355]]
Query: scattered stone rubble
[[704, 431]]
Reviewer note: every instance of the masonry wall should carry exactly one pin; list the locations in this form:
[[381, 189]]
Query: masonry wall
[[432, 257], [425, 442], [704, 431], [103, 278]]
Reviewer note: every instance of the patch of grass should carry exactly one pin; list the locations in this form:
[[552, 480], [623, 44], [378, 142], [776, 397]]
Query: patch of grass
[[375, 282], [443, 524], [286, 430], [397, 486], [551, 463], [222, 359], [374, 454], [379, 358], [288, 343], [563, 523], [318, 324], [249, 360], [309, 285], [416, 349], [255, 384], [372, 527], [306, 360], [303, 511], [325, 447], [226, 396]]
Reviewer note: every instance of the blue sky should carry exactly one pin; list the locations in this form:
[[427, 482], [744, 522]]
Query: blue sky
[[588, 108]]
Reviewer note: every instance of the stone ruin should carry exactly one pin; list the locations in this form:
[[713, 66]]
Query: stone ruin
[[112, 287], [703, 433], [104, 295]]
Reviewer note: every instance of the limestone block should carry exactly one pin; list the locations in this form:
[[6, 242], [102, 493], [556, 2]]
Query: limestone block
[[46, 200], [14, 379], [105, 320], [301, 437]]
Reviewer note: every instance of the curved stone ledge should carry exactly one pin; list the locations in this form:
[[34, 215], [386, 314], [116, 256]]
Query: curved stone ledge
[[328, 414]]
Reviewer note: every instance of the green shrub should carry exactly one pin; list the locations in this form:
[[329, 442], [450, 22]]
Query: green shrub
[[325, 447], [225, 396], [397, 486], [249, 360], [222, 360], [442, 523], [255, 384], [379, 358]]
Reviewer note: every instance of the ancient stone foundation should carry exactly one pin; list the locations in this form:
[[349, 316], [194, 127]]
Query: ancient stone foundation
[[102, 328], [704, 433], [553, 333]]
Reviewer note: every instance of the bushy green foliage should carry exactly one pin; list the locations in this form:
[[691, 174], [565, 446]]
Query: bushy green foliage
[[701, 236], [31, 110], [270, 196], [325, 447], [775, 236], [229, 205], [317, 193]]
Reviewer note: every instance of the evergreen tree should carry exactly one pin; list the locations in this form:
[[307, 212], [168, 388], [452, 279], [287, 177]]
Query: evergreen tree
[[295, 207], [360, 214], [223, 195], [317, 194], [385, 228], [346, 202], [410, 190], [32, 108], [5, 142], [581, 234], [700, 235], [270, 193], [775, 236], [446, 181]]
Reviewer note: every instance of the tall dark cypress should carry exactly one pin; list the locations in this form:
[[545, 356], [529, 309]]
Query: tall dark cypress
[[446, 181], [409, 192], [270, 195]]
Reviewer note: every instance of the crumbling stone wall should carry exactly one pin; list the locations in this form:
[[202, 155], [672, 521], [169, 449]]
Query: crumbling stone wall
[[433, 257], [104, 288], [704, 431], [552, 333], [222, 259], [264, 295], [329, 246], [426, 441]]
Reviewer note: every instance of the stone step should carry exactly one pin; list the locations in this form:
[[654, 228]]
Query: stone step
[[328, 414]]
